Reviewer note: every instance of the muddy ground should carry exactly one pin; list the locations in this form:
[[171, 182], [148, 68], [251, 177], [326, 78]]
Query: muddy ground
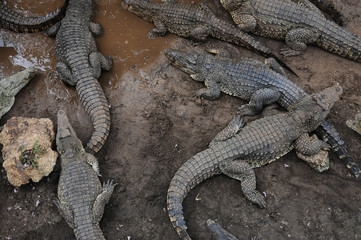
[[157, 124]]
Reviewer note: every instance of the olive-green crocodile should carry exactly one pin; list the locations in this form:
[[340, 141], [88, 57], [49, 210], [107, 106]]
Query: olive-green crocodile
[[81, 196], [298, 23], [256, 144], [10, 86]]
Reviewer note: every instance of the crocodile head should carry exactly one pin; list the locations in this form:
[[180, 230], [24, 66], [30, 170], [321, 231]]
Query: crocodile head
[[190, 62], [142, 8], [10, 86], [66, 138], [317, 106]]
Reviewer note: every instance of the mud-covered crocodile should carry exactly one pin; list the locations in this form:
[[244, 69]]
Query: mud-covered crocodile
[[256, 144], [13, 21], [10, 86], [252, 80], [190, 21], [298, 24], [80, 65], [81, 196]]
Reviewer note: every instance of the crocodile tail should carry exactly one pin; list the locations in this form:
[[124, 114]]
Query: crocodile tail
[[195, 170], [13, 21], [218, 232], [230, 33], [97, 107], [338, 40], [329, 134]]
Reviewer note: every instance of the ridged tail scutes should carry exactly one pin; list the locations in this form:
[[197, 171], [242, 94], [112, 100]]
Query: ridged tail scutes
[[97, 107], [330, 135], [338, 40], [191, 173], [13, 21]]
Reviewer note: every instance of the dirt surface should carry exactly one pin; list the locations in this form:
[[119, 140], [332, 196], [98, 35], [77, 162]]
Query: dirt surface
[[157, 124]]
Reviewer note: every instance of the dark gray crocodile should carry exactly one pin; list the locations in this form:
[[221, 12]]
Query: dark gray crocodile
[[190, 21], [10, 86], [80, 65], [256, 144], [252, 80], [81, 196], [298, 24], [13, 21], [220, 233]]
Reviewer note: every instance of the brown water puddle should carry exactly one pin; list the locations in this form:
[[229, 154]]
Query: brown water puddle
[[124, 39]]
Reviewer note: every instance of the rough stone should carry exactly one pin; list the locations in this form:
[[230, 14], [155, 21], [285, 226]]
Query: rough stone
[[19, 138]]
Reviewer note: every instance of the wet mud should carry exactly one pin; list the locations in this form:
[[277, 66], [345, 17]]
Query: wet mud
[[157, 123]]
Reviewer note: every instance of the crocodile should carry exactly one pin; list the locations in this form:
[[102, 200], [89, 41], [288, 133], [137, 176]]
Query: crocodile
[[13, 21], [81, 197], [191, 21], [220, 233], [79, 64], [256, 144], [10, 86], [252, 80], [298, 24], [355, 124]]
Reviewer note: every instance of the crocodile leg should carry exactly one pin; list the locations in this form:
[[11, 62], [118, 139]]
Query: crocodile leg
[[245, 22], [98, 62], [242, 171], [297, 40], [275, 66], [96, 29], [159, 30], [64, 73], [102, 199], [231, 130], [65, 211], [310, 145], [200, 33], [264, 96], [212, 92]]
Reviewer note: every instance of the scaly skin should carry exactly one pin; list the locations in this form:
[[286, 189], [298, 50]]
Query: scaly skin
[[81, 196], [10, 86], [298, 24], [13, 21], [258, 143], [253, 80], [190, 21], [355, 124], [80, 65], [220, 233]]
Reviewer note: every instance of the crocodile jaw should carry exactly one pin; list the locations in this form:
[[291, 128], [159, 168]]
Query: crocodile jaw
[[66, 137], [10, 86]]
